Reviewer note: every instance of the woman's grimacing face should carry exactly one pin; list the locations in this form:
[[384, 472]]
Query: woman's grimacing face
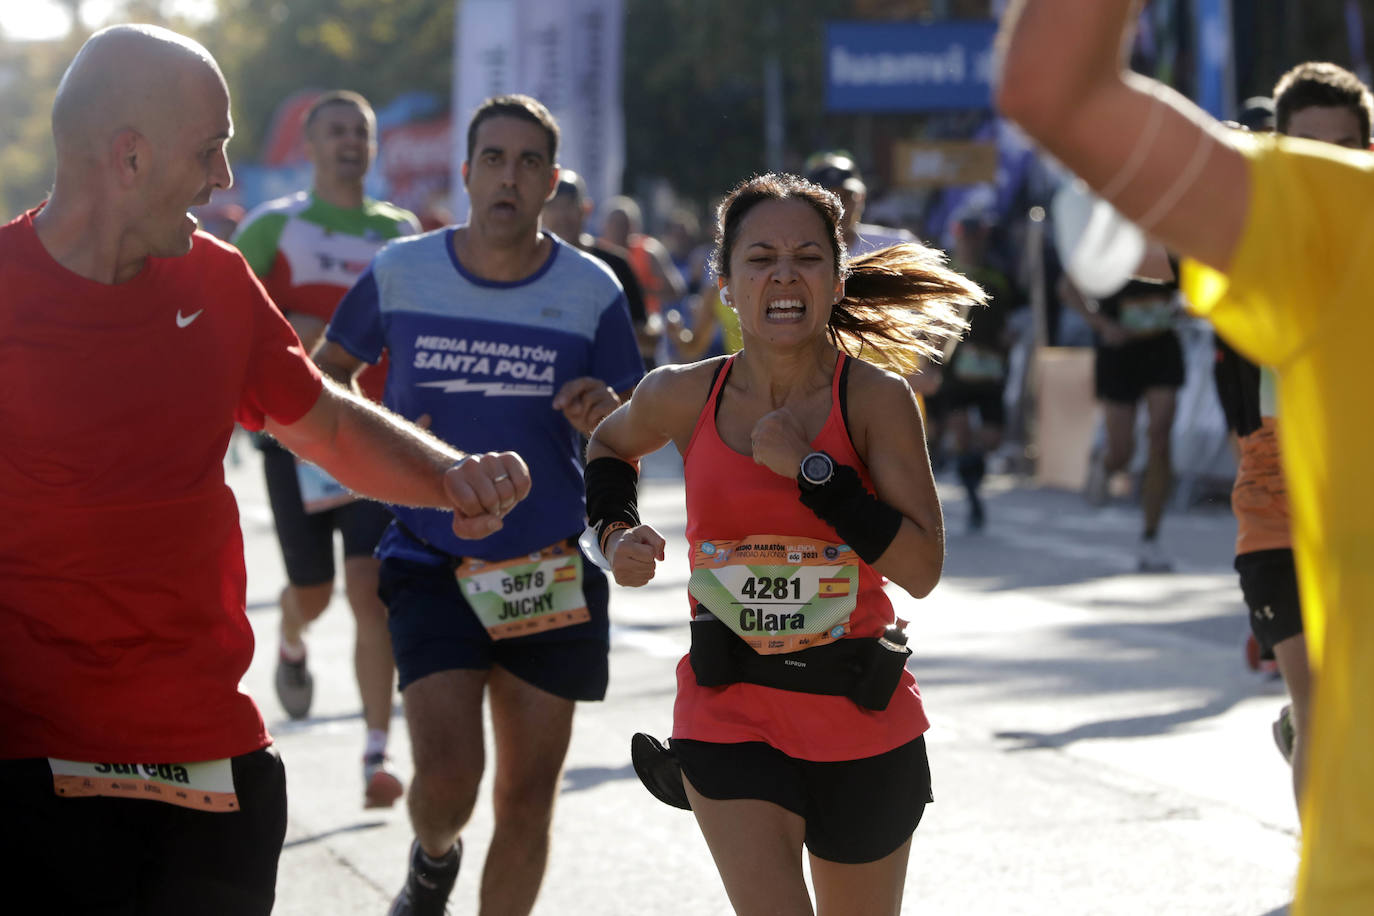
[[782, 272]]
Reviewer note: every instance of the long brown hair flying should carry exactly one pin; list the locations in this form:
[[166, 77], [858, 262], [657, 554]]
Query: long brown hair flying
[[901, 304]]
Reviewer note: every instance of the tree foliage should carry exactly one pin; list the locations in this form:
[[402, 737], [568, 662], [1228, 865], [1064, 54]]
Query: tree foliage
[[693, 73], [271, 49], [694, 80], [268, 49], [28, 83]]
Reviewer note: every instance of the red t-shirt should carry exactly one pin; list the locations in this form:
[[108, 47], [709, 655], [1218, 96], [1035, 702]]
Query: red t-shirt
[[729, 496], [123, 636]]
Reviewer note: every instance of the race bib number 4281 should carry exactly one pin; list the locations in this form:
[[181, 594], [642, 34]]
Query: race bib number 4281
[[777, 592]]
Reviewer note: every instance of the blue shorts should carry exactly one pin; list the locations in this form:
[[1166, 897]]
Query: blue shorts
[[433, 628]]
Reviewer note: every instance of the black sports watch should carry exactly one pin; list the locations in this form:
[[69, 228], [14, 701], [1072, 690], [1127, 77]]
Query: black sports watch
[[816, 470]]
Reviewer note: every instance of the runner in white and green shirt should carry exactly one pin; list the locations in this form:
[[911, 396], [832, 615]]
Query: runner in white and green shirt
[[308, 249]]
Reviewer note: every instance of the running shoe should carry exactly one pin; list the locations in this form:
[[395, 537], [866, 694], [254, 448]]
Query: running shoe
[[428, 883], [381, 785], [295, 687], [1283, 733], [1153, 559]]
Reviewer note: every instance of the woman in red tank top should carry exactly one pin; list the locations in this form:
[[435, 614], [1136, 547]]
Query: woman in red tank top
[[808, 484]]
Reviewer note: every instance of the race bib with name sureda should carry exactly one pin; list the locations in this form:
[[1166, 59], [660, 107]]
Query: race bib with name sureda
[[207, 785], [778, 593]]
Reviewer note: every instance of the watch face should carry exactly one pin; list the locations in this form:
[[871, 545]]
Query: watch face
[[817, 468]]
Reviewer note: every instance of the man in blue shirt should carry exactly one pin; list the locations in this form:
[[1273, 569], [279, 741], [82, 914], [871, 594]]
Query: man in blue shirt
[[497, 332]]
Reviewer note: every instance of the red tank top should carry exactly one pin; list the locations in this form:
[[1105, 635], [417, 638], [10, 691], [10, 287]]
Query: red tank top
[[728, 497]]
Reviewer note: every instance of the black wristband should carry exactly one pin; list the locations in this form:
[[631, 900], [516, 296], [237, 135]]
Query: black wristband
[[612, 494], [866, 523]]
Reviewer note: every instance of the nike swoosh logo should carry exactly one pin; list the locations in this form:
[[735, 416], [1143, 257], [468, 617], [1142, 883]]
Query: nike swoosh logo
[[184, 320]]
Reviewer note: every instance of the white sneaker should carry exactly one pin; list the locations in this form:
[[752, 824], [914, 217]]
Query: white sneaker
[[1153, 559]]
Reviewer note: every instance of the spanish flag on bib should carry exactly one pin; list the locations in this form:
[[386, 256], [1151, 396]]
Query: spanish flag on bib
[[1299, 296], [834, 588]]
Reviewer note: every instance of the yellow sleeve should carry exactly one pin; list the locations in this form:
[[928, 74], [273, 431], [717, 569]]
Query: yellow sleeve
[[1299, 261]]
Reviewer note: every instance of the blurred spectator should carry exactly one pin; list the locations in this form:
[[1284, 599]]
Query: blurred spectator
[[836, 171], [663, 286], [1138, 358], [976, 373], [699, 325], [1257, 114], [691, 253], [565, 215]]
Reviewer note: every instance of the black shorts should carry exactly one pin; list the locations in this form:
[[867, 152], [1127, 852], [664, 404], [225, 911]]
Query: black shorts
[[1123, 374], [855, 810], [958, 395], [1269, 582], [307, 540], [117, 856], [433, 628]]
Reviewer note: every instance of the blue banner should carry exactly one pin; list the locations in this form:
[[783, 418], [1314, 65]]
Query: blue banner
[[1215, 93], [900, 66]]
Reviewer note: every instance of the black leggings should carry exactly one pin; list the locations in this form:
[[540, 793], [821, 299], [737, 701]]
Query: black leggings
[[118, 856]]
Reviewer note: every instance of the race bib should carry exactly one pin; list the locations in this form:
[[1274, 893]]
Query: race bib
[[205, 786], [776, 592], [973, 363], [319, 491], [529, 594]]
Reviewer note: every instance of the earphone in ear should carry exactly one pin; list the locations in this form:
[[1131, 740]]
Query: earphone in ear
[[725, 293]]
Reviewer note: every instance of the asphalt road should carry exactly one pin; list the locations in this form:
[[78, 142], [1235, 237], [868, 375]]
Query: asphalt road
[[1097, 747]]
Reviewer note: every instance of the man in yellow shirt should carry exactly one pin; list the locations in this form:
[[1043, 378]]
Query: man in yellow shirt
[[1278, 230]]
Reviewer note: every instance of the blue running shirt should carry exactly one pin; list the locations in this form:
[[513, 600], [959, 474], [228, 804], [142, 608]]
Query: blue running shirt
[[484, 359]]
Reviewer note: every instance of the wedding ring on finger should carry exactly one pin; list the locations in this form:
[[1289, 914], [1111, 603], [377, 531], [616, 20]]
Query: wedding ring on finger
[[500, 478]]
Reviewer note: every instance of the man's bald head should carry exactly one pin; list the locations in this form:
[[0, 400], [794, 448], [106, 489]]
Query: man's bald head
[[127, 77]]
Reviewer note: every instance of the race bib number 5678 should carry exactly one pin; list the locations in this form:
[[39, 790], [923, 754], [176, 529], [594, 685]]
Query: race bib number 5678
[[516, 597]]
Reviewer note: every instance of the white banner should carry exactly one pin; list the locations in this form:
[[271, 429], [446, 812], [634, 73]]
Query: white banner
[[567, 54]]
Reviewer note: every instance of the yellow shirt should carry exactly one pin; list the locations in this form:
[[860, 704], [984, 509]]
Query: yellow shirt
[[1299, 296]]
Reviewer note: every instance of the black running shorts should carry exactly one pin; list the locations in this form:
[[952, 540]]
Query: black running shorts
[[856, 811], [307, 540], [1123, 374], [1269, 582], [131, 857], [433, 628]]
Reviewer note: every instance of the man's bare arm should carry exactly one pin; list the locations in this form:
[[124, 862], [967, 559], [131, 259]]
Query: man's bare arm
[[378, 454], [1159, 159]]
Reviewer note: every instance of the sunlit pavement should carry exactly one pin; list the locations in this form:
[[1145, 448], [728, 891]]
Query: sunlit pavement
[[1098, 745]]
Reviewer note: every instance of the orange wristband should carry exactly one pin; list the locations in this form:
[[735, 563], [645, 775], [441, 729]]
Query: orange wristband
[[611, 528]]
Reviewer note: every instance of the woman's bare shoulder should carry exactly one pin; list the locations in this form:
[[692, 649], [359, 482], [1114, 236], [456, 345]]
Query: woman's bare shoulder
[[674, 394]]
